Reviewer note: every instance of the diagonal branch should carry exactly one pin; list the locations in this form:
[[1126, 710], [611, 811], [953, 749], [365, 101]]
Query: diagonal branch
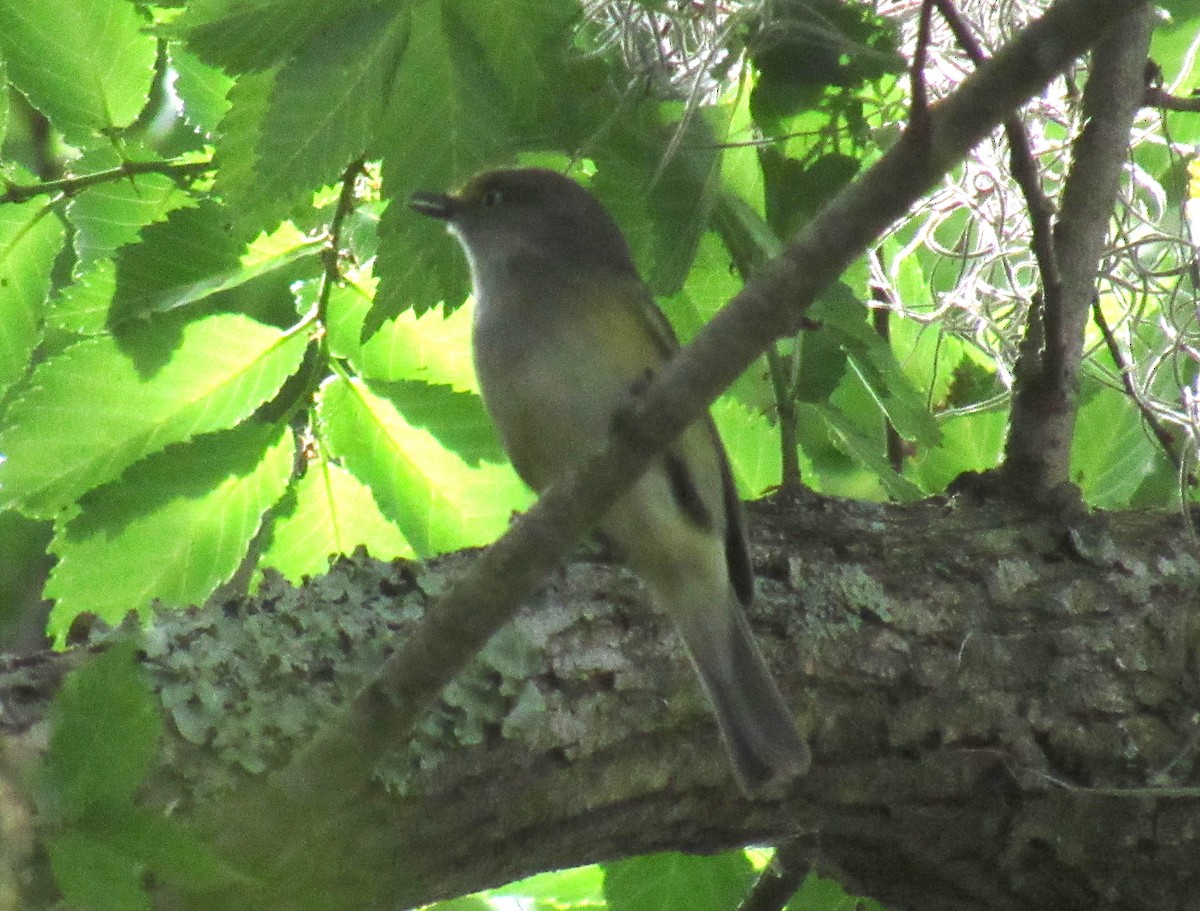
[[338, 764]]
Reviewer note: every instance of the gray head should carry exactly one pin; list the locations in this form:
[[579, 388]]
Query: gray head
[[529, 212]]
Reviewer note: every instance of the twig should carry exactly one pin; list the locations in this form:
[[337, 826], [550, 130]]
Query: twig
[[919, 112], [1165, 440], [1158, 97], [70, 186], [333, 246], [782, 877], [1025, 173]]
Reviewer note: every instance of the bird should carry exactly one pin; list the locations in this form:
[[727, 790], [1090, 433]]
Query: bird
[[564, 331]]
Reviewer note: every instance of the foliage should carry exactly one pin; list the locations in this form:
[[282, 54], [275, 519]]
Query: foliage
[[226, 345], [102, 843]]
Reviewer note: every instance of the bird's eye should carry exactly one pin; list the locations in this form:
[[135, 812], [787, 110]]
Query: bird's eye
[[491, 199]]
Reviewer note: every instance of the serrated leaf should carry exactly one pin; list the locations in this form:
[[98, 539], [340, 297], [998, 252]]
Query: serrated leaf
[[190, 257], [196, 505], [174, 257], [678, 882], [105, 728], [865, 451], [457, 420], [236, 155], [446, 120], [580, 886], [324, 109], [329, 512], [203, 89], [970, 442], [242, 36], [434, 347], [1112, 453], [844, 317], [437, 500], [93, 876], [662, 207], [31, 236], [61, 56], [753, 447], [106, 217], [58, 444]]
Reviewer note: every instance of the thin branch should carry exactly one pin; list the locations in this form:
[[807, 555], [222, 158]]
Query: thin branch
[[1158, 97], [331, 254], [1165, 440], [1025, 172], [70, 186], [782, 877], [919, 112]]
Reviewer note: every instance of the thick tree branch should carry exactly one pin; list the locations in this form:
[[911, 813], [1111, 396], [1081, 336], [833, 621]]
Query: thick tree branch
[[1038, 450], [996, 723]]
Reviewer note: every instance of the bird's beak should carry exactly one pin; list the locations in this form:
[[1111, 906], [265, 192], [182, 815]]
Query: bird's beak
[[436, 205]]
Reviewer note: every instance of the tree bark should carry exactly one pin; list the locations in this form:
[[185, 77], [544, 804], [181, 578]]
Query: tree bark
[[1003, 716]]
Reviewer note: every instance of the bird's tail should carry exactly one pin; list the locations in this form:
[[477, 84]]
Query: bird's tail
[[758, 729]]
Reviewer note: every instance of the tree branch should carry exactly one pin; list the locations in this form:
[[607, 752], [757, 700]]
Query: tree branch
[[952, 664], [70, 186], [1038, 450]]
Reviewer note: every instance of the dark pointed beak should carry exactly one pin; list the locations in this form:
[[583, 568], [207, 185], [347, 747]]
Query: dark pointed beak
[[436, 205]]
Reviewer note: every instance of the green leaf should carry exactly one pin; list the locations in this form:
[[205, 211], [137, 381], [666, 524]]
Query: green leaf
[[86, 64], [872, 359], [434, 347], [95, 877], [59, 444], [105, 218], [562, 888], [105, 728], [196, 505], [446, 119], [325, 107], [242, 36], [662, 207], [188, 258], [23, 558], [203, 89], [330, 512], [796, 190], [457, 420], [101, 862], [753, 447], [678, 882], [869, 454], [3, 102], [819, 894], [236, 156], [162, 845], [970, 442], [801, 46], [31, 236], [437, 500], [1112, 453], [176, 262]]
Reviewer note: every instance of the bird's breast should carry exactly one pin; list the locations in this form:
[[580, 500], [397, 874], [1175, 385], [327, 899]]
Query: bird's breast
[[551, 373]]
